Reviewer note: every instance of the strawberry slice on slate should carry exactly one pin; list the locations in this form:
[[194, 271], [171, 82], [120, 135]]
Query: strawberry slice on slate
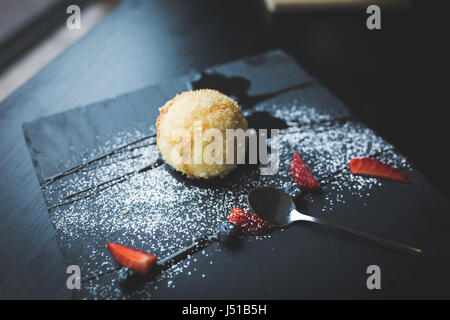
[[375, 168], [248, 222], [302, 175], [138, 260]]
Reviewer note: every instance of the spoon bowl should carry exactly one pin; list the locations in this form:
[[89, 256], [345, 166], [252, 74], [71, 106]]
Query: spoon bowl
[[272, 205]]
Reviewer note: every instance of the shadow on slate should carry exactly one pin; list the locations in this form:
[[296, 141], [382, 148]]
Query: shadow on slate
[[105, 160]]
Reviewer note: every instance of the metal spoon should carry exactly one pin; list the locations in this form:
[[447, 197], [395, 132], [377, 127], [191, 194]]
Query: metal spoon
[[278, 209]]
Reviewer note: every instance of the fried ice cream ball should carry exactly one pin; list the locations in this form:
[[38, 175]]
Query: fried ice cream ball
[[184, 132]]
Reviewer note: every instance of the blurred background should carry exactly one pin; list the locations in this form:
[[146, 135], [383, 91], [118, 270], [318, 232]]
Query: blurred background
[[33, 33], [394, 79]]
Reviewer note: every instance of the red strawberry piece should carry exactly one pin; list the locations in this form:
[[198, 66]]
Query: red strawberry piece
[[302, 175], [375, 168], [248, 222], [137, 260]]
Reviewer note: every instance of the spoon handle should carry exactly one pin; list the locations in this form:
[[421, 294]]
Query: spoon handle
[[368, 236]]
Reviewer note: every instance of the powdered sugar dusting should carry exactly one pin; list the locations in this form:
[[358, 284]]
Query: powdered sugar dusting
[[159, 211]]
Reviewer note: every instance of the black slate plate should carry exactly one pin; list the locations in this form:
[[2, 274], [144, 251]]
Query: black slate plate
[[102, 181]]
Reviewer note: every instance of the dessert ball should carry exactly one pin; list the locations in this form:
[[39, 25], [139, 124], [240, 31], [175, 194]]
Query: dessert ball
[[192, 131]]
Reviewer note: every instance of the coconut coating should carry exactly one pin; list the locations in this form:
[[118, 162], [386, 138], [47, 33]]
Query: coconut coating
[[198, 111]]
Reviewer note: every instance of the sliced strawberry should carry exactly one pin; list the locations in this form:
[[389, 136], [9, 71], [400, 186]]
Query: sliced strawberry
[[248, 222], [375, 168], [302, 175], [137, 260]]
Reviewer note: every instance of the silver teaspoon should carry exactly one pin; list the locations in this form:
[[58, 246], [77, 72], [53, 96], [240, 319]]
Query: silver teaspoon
[[278, 209]]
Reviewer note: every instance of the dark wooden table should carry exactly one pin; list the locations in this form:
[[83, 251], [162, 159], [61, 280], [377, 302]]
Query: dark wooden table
[[389, 78]]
